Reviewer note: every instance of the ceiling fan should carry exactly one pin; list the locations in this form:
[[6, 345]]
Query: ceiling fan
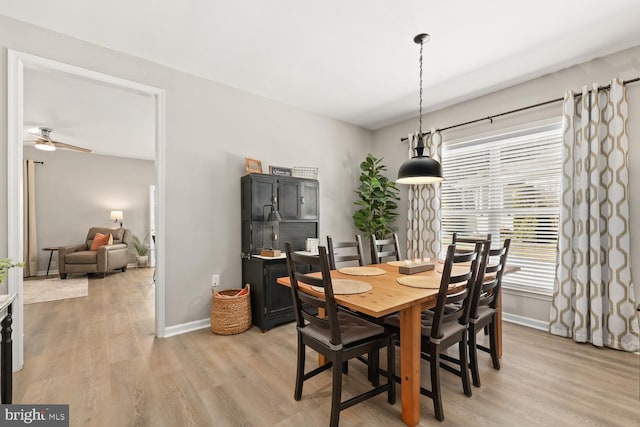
[[44, 142]]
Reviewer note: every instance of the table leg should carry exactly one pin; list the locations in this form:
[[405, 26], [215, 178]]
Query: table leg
[[499, 326], [410, 364], [49, 265], [6, 368]]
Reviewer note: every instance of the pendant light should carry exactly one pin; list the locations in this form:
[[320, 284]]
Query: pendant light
[[420, 169]]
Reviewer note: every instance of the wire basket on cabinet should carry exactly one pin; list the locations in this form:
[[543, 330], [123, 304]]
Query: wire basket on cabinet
[[305, 172]]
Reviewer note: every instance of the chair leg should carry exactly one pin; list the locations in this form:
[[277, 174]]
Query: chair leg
[[336, 392], [345, 367], [464, 365], [473, 357], [435, 383], [486, 330], [300, 369], [373, 359], [391, 366], [493, 344]]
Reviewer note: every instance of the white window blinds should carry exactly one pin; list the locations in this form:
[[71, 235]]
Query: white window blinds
[[509, 186]]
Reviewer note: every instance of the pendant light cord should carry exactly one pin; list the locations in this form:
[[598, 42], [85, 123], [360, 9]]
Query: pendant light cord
[[420, 107]]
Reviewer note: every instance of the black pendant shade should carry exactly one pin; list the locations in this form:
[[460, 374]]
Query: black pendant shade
[[420, 169]]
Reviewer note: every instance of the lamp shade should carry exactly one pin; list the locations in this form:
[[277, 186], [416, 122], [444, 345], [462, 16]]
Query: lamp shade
[[274, 215], [116, 215], [420, 170]]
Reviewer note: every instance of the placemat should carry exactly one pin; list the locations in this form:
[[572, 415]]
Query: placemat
[[346, 287], [362, 271], [456, 269], [396, 263], [426, 282]]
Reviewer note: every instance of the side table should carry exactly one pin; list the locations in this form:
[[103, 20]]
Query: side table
[[52, 250]]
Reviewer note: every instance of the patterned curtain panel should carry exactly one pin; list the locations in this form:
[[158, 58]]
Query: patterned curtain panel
[[423, 216], [593, 299]]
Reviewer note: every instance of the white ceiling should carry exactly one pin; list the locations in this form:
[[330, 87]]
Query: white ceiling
[[352, 60]]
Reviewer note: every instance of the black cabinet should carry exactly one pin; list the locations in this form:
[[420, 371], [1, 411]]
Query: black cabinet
[[297, 200], [271, 303]]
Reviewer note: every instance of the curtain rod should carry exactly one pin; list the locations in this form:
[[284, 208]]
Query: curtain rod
[[517, 110]]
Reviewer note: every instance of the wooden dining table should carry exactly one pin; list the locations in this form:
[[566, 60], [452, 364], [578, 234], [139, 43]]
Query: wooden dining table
[[387, 296]]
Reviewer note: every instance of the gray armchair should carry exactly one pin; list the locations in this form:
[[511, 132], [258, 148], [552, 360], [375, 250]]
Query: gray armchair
[[81, 259]]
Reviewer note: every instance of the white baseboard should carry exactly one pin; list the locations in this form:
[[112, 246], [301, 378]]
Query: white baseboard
[[184, 328], [525, 321]]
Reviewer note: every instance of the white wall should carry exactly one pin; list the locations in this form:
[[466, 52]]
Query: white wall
[[624, 65], [76, 191], [210, 128]]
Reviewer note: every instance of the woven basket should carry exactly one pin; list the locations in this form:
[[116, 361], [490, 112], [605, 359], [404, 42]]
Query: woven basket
[[230, 315]]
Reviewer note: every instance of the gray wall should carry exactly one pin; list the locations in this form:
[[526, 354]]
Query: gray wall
[[75, 191], [623, 64], [210, 128]]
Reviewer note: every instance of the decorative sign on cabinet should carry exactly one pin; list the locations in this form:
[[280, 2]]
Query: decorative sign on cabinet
[[297, 201]]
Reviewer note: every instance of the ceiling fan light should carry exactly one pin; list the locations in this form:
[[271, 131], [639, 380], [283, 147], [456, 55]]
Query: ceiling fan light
[[45, 145]]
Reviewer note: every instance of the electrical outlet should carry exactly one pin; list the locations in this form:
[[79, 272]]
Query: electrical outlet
[[215, 280]]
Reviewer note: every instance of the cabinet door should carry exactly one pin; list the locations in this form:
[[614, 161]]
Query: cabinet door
[[263, 193], [278, 301], [309, 200], [298, 198], [288, 198]]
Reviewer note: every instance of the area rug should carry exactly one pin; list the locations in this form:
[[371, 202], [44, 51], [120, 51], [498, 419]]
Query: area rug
[[54, 289]]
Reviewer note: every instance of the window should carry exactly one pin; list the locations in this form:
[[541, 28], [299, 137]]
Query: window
[[508, 185]]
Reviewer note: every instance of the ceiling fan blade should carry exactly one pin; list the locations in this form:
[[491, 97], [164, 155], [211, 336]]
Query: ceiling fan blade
[[70, 147]]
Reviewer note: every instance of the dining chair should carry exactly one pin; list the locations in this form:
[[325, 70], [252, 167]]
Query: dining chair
[[338, 336], [378, 250], [467, 242], [342, 256], [484, 307], [447, 324]]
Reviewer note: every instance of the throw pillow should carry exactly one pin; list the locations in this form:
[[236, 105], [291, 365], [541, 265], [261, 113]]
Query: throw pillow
[[99, 240], [110, 239]]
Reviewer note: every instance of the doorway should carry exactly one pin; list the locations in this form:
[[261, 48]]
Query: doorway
[[17, 62]]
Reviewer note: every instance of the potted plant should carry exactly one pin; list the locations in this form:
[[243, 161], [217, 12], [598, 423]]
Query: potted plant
[[377, 199], [142, 251], [5, 265]]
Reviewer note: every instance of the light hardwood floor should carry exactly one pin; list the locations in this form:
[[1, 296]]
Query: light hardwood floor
[[99, 355]]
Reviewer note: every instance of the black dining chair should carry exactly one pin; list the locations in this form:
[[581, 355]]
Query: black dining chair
[[339, 336], [347, 251], [446, 325], [464, 243], [484, 307], [385, 248]]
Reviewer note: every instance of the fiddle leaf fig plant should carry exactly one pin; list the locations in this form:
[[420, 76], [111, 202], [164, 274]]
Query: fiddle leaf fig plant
[[377, 198]]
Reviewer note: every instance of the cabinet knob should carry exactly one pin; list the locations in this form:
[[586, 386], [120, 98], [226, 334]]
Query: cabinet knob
[[302, 200]]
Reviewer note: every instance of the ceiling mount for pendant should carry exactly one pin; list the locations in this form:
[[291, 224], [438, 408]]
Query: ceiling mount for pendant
[[420, 169]]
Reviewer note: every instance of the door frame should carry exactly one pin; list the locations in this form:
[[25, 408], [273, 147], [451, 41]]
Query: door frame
[[17, 62]]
